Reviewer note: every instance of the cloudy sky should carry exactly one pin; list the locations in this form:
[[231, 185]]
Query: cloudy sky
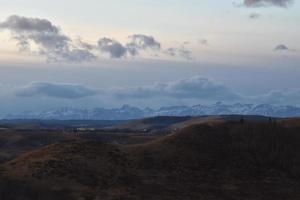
[[106, 53]]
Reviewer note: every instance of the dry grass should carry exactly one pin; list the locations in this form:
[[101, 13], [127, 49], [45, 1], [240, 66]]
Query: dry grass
[[220, 161]]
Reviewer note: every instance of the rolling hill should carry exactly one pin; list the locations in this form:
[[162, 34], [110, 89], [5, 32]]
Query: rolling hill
[[230, 160]]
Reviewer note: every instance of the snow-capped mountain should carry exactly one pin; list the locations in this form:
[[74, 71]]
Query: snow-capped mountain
[[128, 112]]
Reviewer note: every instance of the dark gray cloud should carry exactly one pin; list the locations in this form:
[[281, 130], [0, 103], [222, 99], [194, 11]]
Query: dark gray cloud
[[265, 3], [192, 88], [24, 24], [51, 42], [114, 48], [139, 42], [55, 90], [281, 47], [135, 45]]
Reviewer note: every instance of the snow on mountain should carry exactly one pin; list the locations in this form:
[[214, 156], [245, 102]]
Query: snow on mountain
[[128, 112]]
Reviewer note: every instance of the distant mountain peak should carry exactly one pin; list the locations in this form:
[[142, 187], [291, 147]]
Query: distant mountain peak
[[127, 112]]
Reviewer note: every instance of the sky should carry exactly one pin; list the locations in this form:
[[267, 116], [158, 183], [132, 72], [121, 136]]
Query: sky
[[148, 53]]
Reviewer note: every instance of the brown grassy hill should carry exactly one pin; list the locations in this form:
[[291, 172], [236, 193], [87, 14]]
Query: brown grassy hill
[[171, 123], [81, 167], [209, 120], [15, 142], [247, 146], [228, 161], [220, 161], [292, 122], [154, 123]]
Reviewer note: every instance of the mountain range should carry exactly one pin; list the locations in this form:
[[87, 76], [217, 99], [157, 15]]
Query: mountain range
[[127, 112]]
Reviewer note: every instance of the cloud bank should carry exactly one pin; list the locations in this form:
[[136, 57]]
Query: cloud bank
[[55, 90], [193, 90], [195, 87]]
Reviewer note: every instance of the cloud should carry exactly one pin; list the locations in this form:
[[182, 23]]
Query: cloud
[[49, 39], [85, 45], [281, 47], [55, 90], [203, 42], [180, 51], [139, 42], [195, 89], [192, 88], [40, 36], [265, 3], [114, 48], [254, 16], [289, 96], [136, 43]]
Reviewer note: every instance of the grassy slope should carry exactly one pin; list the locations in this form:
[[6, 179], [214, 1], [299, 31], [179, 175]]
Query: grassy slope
[[221, 161]]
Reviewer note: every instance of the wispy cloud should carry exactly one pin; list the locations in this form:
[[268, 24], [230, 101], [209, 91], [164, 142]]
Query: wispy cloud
[[180, 51]]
